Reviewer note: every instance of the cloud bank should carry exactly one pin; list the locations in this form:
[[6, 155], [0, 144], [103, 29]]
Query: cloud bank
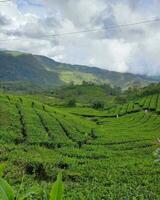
[[23, 24]]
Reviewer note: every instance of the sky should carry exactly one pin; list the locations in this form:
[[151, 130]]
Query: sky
[[29, 26]]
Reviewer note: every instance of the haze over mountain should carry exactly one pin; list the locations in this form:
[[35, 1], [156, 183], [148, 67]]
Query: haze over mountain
[[43, 71]]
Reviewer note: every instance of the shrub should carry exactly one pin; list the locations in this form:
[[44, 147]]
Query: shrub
[[157, 152], [97, 104], [71, 103]]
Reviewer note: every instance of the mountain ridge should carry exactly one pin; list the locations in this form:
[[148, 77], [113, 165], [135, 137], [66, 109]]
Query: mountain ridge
[[41, 70]]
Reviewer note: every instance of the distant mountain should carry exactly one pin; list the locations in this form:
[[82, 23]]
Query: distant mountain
[[151, 77], [16, 67]]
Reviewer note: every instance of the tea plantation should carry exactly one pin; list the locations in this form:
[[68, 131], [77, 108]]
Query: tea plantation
[[102, 154]]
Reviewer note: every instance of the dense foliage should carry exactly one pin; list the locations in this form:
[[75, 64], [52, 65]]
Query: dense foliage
[[87, 93], [137, 92], [43, 71], [98, 104], [103, 154], [7, 193]]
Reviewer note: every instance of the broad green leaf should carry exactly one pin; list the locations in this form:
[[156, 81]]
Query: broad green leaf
[[6, 192], [57, 189]]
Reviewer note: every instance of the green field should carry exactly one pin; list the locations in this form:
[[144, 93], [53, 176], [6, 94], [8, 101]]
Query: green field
[[101, 156]]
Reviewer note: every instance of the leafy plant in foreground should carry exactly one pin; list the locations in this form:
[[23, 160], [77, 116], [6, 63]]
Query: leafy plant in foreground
[[57, 189], [7, 193]]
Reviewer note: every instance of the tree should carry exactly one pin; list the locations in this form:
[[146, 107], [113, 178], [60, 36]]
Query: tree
[[120, 99], [97, 104], [71, 103]]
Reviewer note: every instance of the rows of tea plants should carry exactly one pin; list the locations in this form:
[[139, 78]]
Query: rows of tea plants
[[101, 156], [151, 103]]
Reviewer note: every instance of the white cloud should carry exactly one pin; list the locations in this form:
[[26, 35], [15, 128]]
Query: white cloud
[[132, 49]]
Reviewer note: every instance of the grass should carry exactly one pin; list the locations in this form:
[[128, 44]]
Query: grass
[[101, 156]]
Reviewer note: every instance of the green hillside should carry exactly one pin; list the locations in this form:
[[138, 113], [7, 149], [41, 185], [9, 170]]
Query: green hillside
[[87, 93], [25, 68], [44, 72], [101, 156]]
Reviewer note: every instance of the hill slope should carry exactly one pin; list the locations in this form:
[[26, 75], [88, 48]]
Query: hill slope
[[113, 155], [17, 66]]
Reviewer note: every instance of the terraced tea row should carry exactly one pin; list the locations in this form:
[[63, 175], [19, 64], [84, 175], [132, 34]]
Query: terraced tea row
[[148, 103], [101, 157]]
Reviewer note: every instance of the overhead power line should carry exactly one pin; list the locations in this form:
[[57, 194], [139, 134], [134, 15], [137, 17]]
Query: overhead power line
[[105, 28], [94, 30]]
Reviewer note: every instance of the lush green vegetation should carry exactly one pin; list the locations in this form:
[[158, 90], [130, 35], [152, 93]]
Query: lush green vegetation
[[44, 72], [7, 193], [87, 93], [137, 92], [103, 154]]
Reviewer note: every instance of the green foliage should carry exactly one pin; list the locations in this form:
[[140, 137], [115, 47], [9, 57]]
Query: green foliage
[[84, 94], [157, 152], [71, 103], [57, 189], [2, 166], [120, 100], [6, 191], [137, 92], [101, 155], [47, 72], [96, 104], [157, 155]]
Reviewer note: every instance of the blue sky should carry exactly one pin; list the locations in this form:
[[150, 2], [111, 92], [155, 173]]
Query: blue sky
[[133, 49], [31, 6]]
